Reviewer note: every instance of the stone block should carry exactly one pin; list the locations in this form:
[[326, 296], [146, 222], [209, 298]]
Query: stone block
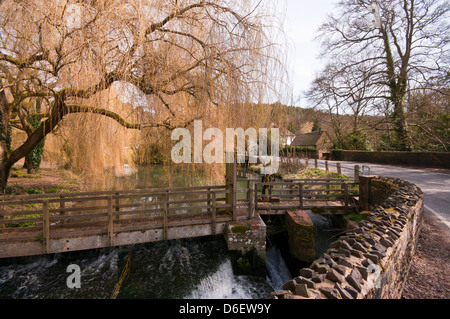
[[306, 272], [344, 293], [374, 258], [301, 290], [363, 271], [352, 291], [329, 292], [318, 278], [308, 282], [355, 279], [345, 262], [301, 235], [322, 269], [290, 285], [334, 276]]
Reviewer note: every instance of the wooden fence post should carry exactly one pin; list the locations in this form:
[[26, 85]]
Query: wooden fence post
[[166, 212], [338, 167], [300, 194], [255, 195], [250, 202], [316, 164], [117, 205], [209, 197], [46, 226], [346, 197], [213, 213], [356, 178], [110, 222], [326, 166], [2, 217], [62, 205]]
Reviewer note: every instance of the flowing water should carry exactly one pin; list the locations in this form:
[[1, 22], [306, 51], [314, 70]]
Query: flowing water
[[196, 268]]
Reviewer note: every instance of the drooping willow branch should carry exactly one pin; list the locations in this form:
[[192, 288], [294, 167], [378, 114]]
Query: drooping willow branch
[[116, 117]]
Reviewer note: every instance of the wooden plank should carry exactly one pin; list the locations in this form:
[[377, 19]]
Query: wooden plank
[[300, 194], [345, 197], [21, 220], [117, 204], [213, 213], [110, 222], [45, 226], [165, 212], [62, 205], [6, 231], [2, 216], [78, 209], [250, 203], [80, 233]]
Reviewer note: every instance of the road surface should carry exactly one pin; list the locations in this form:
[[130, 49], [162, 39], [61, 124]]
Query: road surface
[[435, 184]]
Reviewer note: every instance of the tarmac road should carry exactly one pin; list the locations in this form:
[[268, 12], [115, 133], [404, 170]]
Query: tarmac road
[[435, 183]]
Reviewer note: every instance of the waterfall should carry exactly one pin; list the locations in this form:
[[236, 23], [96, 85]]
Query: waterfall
[[222, 284], [277, 271]]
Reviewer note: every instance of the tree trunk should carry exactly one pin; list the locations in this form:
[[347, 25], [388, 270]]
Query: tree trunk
[[29, 167], [400, 127], [4, 174]]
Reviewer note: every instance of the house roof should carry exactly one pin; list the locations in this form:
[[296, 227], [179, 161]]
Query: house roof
[[308, 139]]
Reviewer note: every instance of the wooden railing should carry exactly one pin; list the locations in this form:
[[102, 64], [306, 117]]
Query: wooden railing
[[305, 194], [49, 216], [44, 217]]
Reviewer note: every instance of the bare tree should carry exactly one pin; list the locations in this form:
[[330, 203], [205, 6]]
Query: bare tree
[[342, 93], [405, 42], [182, 55]]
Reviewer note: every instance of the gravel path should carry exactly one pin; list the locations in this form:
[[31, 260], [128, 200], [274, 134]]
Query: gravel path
[[429, 275]]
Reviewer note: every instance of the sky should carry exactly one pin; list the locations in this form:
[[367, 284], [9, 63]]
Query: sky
[[303, 17]]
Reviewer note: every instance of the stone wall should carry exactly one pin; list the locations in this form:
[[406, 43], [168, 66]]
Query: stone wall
[[246, 242], [300, 230], [371, 261]]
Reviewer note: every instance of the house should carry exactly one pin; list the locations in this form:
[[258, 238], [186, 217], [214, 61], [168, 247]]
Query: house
[[286, 137], [319, 140]]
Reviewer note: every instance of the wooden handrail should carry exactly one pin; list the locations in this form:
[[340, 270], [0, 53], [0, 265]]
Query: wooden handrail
[[54, 215]]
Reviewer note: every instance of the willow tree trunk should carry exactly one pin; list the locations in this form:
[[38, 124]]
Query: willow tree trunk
[[4, 174]]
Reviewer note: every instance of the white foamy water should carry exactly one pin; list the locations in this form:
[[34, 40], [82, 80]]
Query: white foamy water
[[277, 271]]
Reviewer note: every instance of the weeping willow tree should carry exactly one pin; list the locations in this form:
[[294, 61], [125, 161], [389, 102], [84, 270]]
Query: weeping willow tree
[[184, 60]]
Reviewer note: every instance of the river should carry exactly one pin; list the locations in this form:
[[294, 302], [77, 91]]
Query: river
[[198, 268]]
